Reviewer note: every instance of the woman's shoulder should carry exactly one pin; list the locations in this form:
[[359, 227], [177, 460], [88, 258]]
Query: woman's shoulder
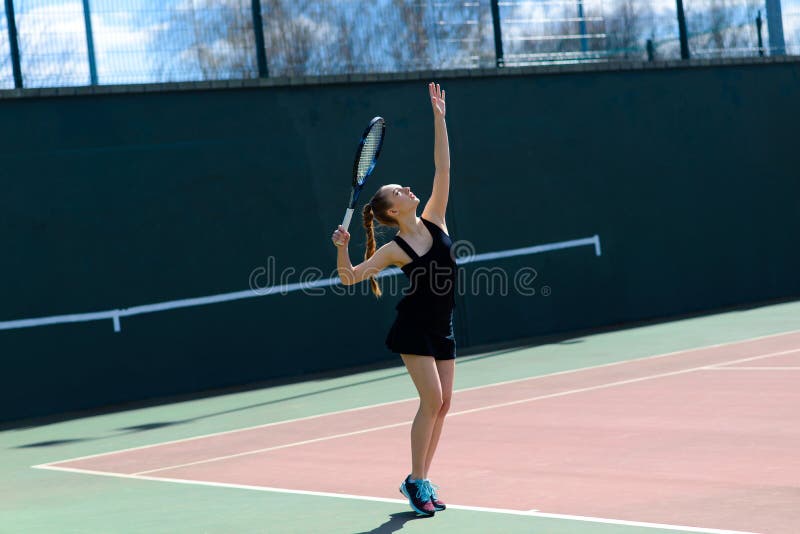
[[394, 252], [438, 224]]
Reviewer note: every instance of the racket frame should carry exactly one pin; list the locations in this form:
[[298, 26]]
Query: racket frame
[[358, 186]]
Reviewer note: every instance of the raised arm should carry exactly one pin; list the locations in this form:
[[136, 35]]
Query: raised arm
[[437, 204]]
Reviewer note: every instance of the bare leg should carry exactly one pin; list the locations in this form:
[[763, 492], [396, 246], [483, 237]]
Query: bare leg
[[425, 376], [447, 371]]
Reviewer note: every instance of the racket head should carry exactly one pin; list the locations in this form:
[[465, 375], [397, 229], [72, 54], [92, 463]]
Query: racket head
[[369, 148]]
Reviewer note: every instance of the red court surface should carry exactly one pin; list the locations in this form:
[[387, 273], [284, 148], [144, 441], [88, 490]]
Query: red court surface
[[704, 438]]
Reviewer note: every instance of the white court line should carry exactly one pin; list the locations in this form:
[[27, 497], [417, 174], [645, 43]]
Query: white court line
[[529, 513], [723, 367], [753, 368], [116, 314], [462, 412], [380, 404], [461, 507]]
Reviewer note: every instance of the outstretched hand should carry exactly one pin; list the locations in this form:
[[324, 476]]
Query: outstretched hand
[[437, 99]]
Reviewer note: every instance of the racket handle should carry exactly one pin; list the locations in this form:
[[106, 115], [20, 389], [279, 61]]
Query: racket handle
[[346, 222], [347, 216]]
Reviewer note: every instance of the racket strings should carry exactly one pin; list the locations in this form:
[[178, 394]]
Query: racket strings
[[371, 144]]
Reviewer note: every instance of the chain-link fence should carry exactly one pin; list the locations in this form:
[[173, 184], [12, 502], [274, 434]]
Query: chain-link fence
[[82, 42], [791, 24]]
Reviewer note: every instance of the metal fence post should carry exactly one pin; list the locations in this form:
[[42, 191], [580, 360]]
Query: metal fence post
[[258, 30], [498, 36], [582, 26], [13, 44], [777, 44], [87, 21], [684, 36]]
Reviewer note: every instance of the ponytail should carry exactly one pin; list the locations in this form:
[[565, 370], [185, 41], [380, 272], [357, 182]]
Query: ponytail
[[370, 228]]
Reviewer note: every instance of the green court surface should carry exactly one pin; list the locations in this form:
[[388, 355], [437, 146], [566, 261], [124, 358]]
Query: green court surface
[[44, 501]]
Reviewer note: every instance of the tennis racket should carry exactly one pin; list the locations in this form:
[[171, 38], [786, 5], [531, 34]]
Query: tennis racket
[[369, 148]]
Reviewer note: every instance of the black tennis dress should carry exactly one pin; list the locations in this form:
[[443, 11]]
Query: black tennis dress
[[424, 323]]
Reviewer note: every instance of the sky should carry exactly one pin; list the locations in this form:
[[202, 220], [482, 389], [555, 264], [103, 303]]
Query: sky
[[130, 43]]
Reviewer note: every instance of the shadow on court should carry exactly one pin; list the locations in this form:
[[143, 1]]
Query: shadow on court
[[52, 443], [395, 522], [481, 352], [163, 424]]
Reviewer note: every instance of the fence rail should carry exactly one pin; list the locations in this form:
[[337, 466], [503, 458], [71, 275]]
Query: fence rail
[[55, 43]]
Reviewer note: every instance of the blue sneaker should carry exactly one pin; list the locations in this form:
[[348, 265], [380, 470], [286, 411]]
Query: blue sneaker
[[437, 504], [419, 496]]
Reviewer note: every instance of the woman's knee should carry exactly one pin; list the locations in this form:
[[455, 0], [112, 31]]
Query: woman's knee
[[431, 405], [445, 405]]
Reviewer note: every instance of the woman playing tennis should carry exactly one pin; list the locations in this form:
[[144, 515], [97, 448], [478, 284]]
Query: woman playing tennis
[[422, 333]]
